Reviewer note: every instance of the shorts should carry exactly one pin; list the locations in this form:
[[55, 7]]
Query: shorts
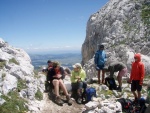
[[100, 67], [123, 72], [135, 85]]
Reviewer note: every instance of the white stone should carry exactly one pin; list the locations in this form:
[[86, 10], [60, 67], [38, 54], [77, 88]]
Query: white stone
[[91, 105]]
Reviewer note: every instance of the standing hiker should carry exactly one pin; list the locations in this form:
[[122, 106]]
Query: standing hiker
[[100, 59], [137, 76]]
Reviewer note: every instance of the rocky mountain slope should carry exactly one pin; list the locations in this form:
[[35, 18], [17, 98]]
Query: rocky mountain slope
[[123, 26], [20, 86]]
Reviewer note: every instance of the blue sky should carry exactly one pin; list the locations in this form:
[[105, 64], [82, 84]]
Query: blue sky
[[46, 25]]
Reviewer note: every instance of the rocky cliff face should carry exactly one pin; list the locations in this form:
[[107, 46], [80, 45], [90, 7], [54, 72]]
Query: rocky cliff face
[[17, 77], [120, 25]]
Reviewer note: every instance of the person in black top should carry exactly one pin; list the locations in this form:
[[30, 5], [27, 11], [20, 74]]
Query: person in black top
[[119, 67], [55, 76], [50, 65]]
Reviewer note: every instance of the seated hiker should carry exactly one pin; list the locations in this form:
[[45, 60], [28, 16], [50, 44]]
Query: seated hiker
[[78, 80], [56, 74], [67, 71], [116, 66], [50, 65]]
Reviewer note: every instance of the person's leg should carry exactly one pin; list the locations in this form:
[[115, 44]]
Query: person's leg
[[138, 94], [139, 89], [56, 87], [133, 89], [74, 90], [98, 76], [119, 78], [135, 95], [103, 76], [46, 86], [120, 75], [80, 86], [63, 87]]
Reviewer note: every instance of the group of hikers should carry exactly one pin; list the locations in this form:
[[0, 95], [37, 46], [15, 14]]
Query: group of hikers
[[136, 75], [56, 73]]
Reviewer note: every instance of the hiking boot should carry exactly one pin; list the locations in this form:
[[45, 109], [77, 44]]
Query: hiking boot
[[79, 101], [119, 89], [59, 101], [69, 101]]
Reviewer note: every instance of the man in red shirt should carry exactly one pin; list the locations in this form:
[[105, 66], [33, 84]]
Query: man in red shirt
[[137, 76]]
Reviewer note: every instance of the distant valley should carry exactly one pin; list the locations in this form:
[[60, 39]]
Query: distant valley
[[65, 59]]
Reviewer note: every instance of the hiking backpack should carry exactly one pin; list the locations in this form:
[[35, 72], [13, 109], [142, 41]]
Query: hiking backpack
[[110, 82], [129, 106], [126, 104], [88, 94]]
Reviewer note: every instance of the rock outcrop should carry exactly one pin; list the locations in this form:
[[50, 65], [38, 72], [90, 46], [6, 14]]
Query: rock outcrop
[[120, 26], [17, 74]]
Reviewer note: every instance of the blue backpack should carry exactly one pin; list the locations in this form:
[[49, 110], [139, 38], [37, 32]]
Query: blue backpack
[[89, 93]]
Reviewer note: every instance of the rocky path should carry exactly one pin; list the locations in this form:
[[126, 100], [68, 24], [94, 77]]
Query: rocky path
[[51, 107]]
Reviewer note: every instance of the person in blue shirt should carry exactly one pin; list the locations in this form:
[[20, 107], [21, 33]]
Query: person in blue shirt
[[100, 59]]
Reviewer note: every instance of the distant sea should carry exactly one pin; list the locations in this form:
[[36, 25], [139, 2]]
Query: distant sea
[[39, 61]]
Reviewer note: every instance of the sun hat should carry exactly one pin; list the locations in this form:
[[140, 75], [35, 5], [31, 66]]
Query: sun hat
[[76, 65]]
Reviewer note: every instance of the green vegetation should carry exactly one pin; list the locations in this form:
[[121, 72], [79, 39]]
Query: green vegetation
[[146, 14], [13, 104], [147, 77], [3, 75], [106, 92], [39, 95], [13, 60], [21, 84], [35, 72], [2, 64], [123, 41]]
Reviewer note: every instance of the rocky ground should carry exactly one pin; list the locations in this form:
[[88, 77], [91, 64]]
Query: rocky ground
[[49, 106], [52, 107]]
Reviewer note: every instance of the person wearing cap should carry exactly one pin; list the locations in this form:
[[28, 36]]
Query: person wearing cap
[[136, 77], [119, 67], [99, 60], [56, 76], [78, 79], [50, 65]]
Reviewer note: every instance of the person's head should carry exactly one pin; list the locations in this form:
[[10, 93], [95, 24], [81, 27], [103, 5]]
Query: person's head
[[56, 64], [77, 66], [49, 63], [137, 57], [101, 47]]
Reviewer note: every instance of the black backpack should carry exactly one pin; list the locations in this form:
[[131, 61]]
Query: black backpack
[[110, 82], [128, 106]]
